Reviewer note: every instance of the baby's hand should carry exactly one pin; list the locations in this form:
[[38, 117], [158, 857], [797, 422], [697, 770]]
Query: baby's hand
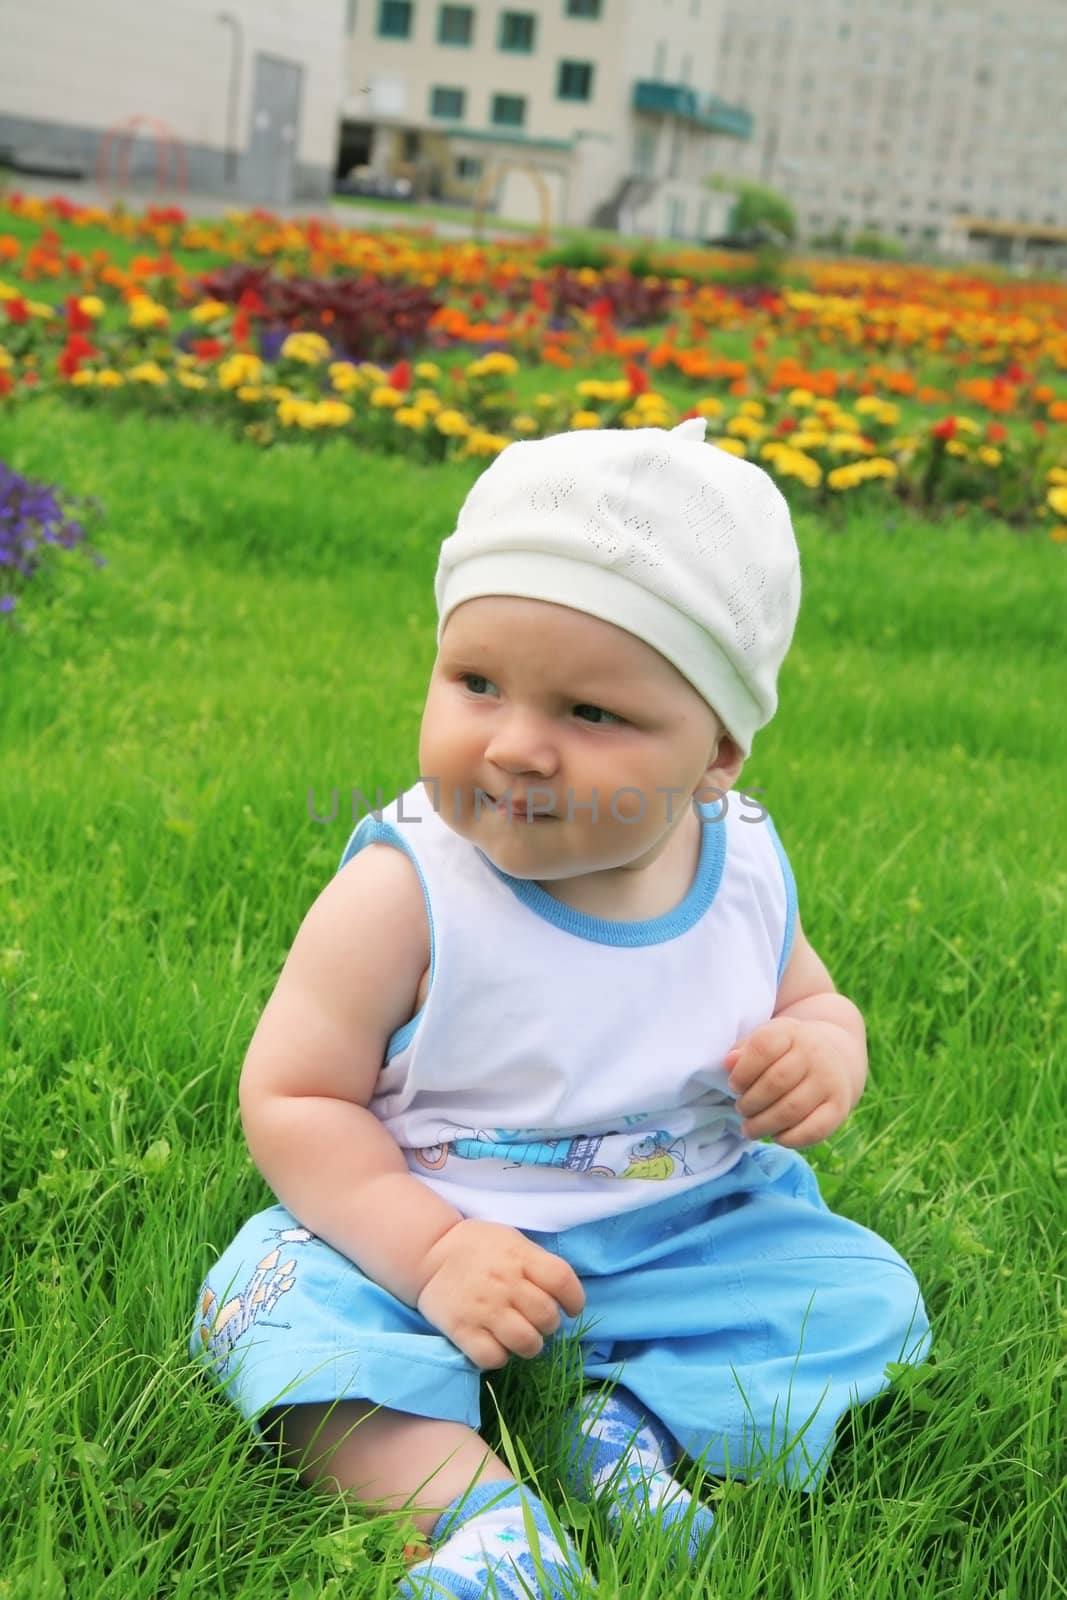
[[494, 1292], [793, 1079]]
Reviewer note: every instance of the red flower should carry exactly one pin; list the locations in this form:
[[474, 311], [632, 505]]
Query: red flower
[[17, 310], [477, 302], [240, 326], [539, 295], [207, 349], [996, 433], [6, 383], [250, 300], [77, 321], [400, 376], [601, 309], [1014, 373], [638, 378], [75, 351], [786, 425], [945, 429]]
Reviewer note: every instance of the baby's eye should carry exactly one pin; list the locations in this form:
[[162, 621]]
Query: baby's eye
[[599, 715], [476, 683]]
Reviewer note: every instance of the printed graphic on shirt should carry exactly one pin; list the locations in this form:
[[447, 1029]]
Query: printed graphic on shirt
[[655, 1156], [222, 1326]]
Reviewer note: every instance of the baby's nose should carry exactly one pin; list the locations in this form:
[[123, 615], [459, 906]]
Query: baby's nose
[[521, 744]]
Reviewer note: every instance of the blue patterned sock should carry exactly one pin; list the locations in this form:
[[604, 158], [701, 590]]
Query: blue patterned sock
[[482, 1549], [622, 1454]]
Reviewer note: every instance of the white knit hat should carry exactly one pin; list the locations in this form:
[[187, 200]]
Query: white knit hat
[[678, 542]]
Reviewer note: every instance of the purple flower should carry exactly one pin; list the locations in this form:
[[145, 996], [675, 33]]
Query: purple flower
[[32, 517]]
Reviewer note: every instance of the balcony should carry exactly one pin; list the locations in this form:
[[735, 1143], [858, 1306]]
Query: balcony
[[703, 110]]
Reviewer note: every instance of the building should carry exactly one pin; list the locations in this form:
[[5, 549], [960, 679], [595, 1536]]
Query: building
[[905, 119], [600, 112], [235, 97]]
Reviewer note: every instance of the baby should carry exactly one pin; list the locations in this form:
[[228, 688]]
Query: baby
[[572, 924]]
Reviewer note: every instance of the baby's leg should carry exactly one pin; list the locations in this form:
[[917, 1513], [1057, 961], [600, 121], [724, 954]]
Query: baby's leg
[[456, 1491], [385, 1457], [621, 1454]]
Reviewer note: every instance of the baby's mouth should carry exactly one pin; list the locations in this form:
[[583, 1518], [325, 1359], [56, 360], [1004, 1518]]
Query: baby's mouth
[[521, 811]]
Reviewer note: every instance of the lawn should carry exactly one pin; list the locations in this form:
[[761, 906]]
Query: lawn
[[265, 625]]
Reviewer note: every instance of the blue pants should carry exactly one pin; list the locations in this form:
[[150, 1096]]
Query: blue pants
[[744, 1314]]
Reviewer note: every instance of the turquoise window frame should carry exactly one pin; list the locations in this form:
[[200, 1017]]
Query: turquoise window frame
[[390, 7], [517, 16], [455, 44], [446, 88], [589, 67], [585, 16], [501, 122]]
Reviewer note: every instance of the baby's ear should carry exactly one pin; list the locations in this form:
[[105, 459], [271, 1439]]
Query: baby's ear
[[724, 769]]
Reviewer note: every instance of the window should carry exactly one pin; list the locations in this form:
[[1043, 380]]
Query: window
[[583, 8], [455, 25], [517, 29], [394, 19], [447, 102], [468, 168], [575, 80], [645, 152], [508, 110]]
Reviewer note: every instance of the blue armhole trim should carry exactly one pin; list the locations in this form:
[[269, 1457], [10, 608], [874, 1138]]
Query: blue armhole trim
[[370, 831], [790, 899]]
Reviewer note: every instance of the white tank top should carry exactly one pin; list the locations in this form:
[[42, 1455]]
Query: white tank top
[[564, 1067]]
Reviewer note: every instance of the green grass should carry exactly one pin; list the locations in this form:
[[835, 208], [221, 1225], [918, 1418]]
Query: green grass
[[265, 623]]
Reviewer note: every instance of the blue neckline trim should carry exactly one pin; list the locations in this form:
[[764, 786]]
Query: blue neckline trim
[[654, 930]]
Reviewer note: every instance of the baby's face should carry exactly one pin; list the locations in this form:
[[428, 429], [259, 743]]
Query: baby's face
[[570, 719]]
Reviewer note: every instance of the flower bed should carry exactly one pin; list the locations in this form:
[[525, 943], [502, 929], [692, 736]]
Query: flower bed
[[941, 389]]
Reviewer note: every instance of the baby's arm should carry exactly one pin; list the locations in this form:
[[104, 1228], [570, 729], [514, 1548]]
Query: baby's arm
[[350, 980], [800, 1075]]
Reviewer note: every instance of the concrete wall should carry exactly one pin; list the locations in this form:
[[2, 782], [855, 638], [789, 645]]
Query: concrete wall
[[72, 69]]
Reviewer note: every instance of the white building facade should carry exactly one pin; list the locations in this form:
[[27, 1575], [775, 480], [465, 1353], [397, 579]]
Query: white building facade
[[214, 96], [904, 118], [577, 111]]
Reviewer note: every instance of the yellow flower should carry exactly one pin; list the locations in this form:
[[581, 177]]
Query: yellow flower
[[868, 404], [544, 401], [585, 419], [344, 377], [451, 423], [292, 412], [192, 380], [147, 372], [81, 379], [744, 428], [333, 413], [751, 408], [6, 358], [145, 313], [242, 367], [496, 364], [990, 456], [842, 478], [427, 371], [428, 402], [524, 423], [956, 447], [800, 397], [810, 439], [1058, 533], [651, 401], [480, 443], [733, 447], [38, 308], [310, 348], [1057, 499], [250, 393], [91, 306], [711, 407], [385, 396], [1055, 474], [208, 311], [410, 417], [967, 425], [369, 370], [109, 379]]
